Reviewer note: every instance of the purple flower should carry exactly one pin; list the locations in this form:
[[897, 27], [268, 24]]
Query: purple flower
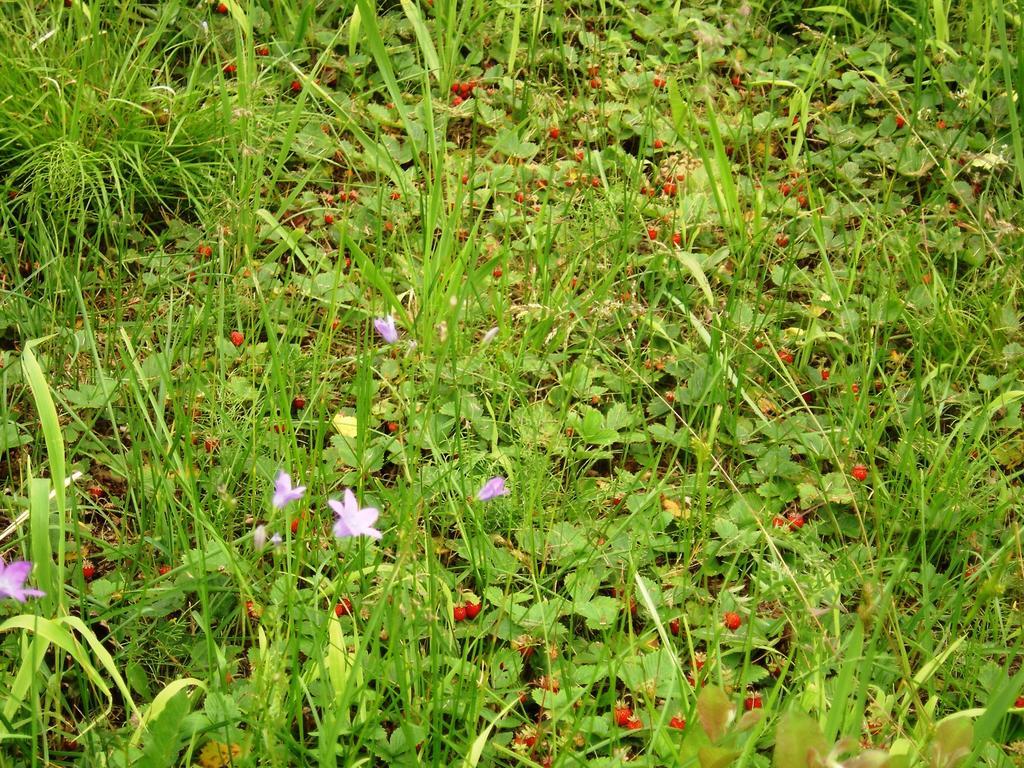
[[284, 493], [386, 328], [353, 521], [12, 581], [493, 487], [276, 540]]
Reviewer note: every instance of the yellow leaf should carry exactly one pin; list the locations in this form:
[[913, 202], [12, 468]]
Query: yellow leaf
[[345, 424], [674, 508]]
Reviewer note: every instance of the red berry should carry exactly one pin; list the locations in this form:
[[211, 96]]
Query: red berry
[[941, 125], [595, 83], [825, 373], [554, 133], [735, 80], [782, 239], [652, 233], [455, 87], [237, 338], [295, 526], [855, 388], [164, 569], [263, 51], [473, 610], [634, 724], [328, 218], [296, 86], [88, 570], [519, 197], [859, 472], [622, 716], [230, 69], [786, 356], [796, 520], [780, 522], [1019, 703], [298, 402], [801, 200], [669, 188], [496, 272], [253, 610], [673, 626], [456, 100], [459, 613], [900, 121], [752, 702], [677, 239], [343, 608], [785, 189], [222, 8], [658, 143], [677, 722], [96, 492], [392, 427], [659, 82], [732, 620]]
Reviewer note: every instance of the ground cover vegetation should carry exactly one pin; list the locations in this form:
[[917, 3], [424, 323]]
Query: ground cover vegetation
[[511, 384]]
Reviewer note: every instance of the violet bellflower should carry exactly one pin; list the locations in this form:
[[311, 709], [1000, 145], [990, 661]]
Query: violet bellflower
[[284, 493], [12, 581], [492, 488], [385, 326], [353, 520]]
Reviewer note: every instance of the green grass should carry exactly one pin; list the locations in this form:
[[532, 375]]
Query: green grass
[[715, 296]]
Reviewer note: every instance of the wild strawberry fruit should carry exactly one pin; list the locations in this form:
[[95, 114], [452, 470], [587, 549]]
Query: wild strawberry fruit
[[673, 626], [456, 101], [392, 427], [237, 338], [855, 388], [941, 124], [298, 402], [295, 526], [230, 69], [164, 569], [825, 373], [211, 444], [669, 188], [554, 133], [753, 702], [732, 620], [254, 611], [785, 189], [859, 472], [634, 724], [782, 239], [652, 234], [96, 492], [658, 143], [677, 722], [343, 608], [496, 273], [595, 83], [780, 522], [88, 570], [263, 51], [735, 80], [204, 250], [786, 356], [592, 70], [222, 8], [1019, 703], [659, 81], [796, 520], [328, 218], [623, 715], [459, 613], [801, 200], [473, 610], [296, 86], [900, 121]]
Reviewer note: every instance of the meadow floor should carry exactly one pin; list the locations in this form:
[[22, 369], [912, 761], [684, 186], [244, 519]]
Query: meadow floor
[[678, 347]]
